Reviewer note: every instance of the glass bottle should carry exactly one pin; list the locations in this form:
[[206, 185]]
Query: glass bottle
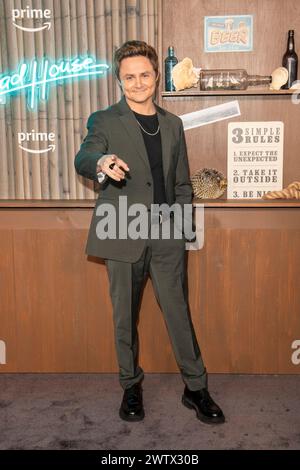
[[170, 62], [290, 60], [230, 79]]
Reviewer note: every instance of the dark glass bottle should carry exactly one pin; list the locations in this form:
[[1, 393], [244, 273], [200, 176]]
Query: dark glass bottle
[[170, 62], [290, 60]]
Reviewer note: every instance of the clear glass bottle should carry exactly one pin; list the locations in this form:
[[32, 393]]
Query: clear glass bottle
[[290, 60], [230, 79], [170, 62]]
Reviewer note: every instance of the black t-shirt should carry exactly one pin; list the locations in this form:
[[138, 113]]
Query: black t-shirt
[[154, 150]]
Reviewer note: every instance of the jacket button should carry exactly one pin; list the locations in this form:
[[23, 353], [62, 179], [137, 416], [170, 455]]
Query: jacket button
[[148, 183]]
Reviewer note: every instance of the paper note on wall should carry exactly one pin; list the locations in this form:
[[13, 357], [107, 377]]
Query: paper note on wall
[[210, 115]]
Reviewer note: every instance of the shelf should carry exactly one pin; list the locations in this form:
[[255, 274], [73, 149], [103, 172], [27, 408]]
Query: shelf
[[47, 203], [256, 203], [196, 92], [90, 203]]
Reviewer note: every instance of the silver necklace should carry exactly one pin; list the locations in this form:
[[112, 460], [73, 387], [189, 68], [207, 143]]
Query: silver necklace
[[156, 132]]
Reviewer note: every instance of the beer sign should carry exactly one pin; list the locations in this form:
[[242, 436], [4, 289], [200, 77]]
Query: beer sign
[[228, 33]]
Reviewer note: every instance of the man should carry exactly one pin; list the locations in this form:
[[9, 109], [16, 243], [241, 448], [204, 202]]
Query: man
[[137, 149]]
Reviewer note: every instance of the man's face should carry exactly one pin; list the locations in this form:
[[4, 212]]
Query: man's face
[[138, 79]]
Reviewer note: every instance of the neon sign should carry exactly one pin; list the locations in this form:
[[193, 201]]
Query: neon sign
[[36, 77]]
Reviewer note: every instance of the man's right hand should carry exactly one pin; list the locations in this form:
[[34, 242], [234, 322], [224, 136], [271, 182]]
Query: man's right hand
[[117, 172]]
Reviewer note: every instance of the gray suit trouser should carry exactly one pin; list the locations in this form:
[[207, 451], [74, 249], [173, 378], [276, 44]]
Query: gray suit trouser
[[164, 260]]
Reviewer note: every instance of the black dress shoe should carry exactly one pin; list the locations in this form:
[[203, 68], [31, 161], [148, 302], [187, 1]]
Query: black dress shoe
[[207, 410], [132, 404]]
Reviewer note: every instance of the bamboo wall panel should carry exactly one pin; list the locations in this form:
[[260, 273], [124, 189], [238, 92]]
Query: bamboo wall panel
[[78, 28], [56, 313]]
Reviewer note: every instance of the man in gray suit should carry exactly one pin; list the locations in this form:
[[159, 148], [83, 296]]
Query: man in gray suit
[[137, 151]]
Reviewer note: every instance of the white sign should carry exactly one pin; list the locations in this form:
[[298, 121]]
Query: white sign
[[255, 159], [210, 115]]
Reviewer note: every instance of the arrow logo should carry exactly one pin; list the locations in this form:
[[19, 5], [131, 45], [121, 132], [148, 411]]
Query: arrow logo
[[33, 30], [51, 147]]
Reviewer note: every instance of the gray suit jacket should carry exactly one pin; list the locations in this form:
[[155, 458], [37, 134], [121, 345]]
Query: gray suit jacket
[[116, 131]]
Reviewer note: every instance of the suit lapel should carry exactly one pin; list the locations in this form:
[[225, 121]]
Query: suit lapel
[[166, 135], [134, 132]]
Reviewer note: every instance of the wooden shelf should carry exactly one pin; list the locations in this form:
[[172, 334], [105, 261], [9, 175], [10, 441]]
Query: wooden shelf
[[257, 203], [46, 203], [255, 92], [90, 203]]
